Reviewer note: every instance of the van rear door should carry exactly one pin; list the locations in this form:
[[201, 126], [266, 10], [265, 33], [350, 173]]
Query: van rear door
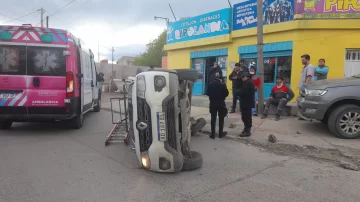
[[12, 79], [46, 80]]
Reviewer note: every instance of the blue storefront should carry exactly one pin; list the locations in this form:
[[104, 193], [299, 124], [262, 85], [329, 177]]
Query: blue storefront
[[212, 24]]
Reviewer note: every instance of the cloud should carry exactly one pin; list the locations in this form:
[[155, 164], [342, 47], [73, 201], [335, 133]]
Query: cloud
[[126, 25]]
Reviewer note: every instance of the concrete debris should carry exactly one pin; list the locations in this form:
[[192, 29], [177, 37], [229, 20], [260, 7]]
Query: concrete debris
[[272, 138], [298, 132], [232, 125], [349, 166]]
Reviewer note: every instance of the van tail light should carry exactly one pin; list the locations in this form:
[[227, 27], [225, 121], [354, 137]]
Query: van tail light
[[70, 84]]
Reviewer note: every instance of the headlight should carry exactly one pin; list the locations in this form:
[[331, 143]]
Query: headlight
[[145, 161], [141, 86], [315, 92], [159, 83]]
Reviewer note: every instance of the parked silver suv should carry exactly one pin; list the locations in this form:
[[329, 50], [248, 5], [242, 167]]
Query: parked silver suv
[[335, 102]]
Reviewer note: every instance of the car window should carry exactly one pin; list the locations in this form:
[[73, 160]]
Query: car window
[[12, 60], [46, 61]]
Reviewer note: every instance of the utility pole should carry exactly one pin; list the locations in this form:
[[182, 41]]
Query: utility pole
[[42, 16], [47, 21], [260, 58]]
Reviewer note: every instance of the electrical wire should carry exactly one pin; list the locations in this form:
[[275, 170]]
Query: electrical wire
[[11, 17], [62, 7], [21, 17]]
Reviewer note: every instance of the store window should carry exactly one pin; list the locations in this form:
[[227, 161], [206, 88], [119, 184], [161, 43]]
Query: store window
[[284, 68], [269, 70]]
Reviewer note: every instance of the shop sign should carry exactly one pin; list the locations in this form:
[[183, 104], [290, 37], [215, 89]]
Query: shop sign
[[327, 9], [208, 25], [274, 11]]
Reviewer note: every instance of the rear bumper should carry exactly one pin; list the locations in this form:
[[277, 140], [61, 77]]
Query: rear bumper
[[34, 114]]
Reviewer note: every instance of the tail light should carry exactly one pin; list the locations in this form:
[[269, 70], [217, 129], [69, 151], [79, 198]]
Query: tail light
[[70, 84]]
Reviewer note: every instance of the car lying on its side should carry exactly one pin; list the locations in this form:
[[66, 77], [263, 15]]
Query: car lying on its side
[[159, 114], [335, 102]]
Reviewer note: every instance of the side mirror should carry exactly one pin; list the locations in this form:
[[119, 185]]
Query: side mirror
[[100, 77]]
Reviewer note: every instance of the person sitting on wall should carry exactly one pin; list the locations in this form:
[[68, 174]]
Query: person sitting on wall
[[213, 71], [280, 95]]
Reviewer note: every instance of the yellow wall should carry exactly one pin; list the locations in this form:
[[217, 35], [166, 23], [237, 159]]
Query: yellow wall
[[319, 38]]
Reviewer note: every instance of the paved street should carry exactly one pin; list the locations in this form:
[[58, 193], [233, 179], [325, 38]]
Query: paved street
[[47, 162]]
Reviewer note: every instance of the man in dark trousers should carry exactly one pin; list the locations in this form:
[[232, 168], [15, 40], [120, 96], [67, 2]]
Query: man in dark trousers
[[247, 102], [213, 71], [217, 93], [279, 97], [235, 77]]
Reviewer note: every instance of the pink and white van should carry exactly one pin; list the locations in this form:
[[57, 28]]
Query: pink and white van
[[46, 75]]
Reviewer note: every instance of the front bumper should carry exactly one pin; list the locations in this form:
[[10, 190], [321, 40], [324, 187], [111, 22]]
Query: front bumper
[[310, 109]]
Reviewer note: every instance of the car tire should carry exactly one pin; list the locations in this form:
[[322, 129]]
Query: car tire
[[188, 74], [192, 161], [77, 122], [337, 115], [5, 125]]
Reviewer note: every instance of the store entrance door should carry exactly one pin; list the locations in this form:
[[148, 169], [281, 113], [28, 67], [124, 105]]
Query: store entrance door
[[209, 63]]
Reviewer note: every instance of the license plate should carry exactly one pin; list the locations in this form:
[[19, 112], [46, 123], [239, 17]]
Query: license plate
[[7, 95], [161, 126]]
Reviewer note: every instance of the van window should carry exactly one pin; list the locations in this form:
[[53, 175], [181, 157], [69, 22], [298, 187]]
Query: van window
[[12, 60], [46, 61]]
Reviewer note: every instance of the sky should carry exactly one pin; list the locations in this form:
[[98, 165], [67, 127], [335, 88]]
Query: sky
[[125, 25]]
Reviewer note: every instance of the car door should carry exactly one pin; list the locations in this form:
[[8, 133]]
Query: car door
[[13, 93], [95, 86], [88, 94]]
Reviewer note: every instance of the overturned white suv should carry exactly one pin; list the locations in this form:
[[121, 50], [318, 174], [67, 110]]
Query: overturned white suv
[[159, 114]]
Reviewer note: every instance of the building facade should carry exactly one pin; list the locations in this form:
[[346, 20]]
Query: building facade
[[291, 29]]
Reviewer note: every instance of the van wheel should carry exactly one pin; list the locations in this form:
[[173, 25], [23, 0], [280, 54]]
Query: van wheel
[[97, 108], [188, 74], [192, 160], [5, 124], [344, 121], [77, 122]]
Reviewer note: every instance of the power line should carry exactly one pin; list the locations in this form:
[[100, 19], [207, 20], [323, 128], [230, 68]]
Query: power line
[[62, 7], [11, 17], [21, 17]]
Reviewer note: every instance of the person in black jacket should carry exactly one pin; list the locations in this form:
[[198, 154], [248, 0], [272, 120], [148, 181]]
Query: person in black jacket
[[235, 77], [217, 92], [213, 71], [247, 102]]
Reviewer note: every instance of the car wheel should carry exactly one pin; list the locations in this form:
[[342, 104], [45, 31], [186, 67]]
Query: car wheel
[[188, 74], [77, 122], [344, 121], [192, 160], [5, 124]]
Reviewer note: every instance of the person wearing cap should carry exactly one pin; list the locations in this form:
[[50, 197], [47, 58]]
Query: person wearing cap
[[280, 95], [247, 102], [217, 92], [257, 82], [235, 77]]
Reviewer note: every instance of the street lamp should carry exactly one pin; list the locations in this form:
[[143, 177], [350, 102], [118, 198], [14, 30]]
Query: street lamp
[[167, 19]]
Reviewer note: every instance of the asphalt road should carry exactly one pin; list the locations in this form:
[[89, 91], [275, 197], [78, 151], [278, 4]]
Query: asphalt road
[[47, 162]]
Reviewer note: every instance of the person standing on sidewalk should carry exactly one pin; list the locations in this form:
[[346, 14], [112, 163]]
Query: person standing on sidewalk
[[307, 76], [235, 77], [257, 82], [279, 97], [217, 92], [213, 71], [321, 71], [247, 102]]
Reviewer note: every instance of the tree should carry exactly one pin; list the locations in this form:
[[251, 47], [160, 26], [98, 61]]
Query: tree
[[154, 52]]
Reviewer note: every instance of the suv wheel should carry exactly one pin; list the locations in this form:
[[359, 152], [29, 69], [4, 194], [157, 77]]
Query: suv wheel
[[344, 121], [192, 160], [5, 124]]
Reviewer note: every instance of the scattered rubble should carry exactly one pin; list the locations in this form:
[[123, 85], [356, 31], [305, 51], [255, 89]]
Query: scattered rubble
[[349, 166], [232, 125], [272, 138], [298, 132]]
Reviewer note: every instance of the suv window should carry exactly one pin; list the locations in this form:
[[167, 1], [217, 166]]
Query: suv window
[[12, 60], [46, 61]]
